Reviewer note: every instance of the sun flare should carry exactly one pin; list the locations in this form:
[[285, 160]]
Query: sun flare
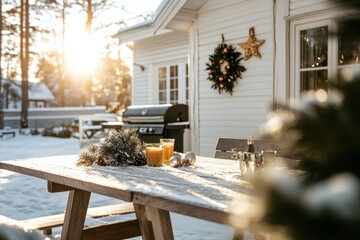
[[82, 51]]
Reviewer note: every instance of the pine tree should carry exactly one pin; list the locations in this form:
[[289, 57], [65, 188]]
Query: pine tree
[[326, 139]]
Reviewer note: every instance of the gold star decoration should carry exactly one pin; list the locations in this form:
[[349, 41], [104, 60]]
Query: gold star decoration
[[251, 46]]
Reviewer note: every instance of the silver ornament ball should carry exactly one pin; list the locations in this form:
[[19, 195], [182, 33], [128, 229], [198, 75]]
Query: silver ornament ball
[[177, 154], [184, 161], [175, 161], [191, 157]]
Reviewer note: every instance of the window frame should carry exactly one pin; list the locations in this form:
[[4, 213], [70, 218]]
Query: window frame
[[183, 75], [296, 26]]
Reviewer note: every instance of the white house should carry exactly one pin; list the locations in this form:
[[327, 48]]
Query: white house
[[39, 95], [298, 54]]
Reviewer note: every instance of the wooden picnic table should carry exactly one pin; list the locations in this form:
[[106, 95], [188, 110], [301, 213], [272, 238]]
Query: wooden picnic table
[[112, 125], [206, 190]]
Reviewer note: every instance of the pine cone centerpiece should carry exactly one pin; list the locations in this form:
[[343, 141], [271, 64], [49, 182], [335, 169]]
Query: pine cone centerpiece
[[119, 148]]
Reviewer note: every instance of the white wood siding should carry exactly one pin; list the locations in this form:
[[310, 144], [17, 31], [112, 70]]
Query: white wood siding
[[158, 49], [222, 115], [239, 115], [298, 7]]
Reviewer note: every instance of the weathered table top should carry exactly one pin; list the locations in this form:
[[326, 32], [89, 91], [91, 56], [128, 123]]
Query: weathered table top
[[210, 184]]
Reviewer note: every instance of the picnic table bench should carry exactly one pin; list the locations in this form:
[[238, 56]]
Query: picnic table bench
[[7, 131], [112, 125], [120, 229], [91, 125], [46, 223]]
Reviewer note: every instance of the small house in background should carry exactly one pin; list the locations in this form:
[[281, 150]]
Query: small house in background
[[288, 46], [39, 95]]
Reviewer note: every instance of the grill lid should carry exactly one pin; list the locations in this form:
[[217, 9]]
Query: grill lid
[[162, 113]]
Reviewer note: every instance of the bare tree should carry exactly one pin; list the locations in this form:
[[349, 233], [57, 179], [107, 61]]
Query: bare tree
[[92, 8], [55, 10], [62, 69], [1, 94], [24, 59], [59, 7]]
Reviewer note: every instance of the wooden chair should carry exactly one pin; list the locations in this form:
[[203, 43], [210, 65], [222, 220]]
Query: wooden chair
[[225, 146]]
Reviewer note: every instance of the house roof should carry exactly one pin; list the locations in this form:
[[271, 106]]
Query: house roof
[[169, 16], [141, 30], [37, 90]]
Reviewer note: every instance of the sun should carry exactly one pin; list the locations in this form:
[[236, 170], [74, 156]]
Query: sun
[[82, 50]]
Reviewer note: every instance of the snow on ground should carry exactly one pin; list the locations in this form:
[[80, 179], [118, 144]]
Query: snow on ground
[[23, 197]]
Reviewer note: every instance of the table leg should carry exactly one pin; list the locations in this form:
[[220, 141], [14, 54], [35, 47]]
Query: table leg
[[161, 223], [146, 229], [88, 134], [75, 214], [160, 219]]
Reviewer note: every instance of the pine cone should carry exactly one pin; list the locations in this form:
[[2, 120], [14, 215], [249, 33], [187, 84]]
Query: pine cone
[[102, 161], [139, 159]]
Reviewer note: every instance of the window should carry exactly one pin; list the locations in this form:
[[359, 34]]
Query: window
[[162, 84], [317, 55], [314, 59], [173, 83], [348, 49]]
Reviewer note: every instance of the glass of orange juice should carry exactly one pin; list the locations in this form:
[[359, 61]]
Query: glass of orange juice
[[169, 148], [154, 154]]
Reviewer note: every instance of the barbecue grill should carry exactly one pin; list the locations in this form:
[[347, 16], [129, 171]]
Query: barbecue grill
[[153, 122]]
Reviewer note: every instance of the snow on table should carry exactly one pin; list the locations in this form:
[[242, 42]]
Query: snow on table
[[210, 183]]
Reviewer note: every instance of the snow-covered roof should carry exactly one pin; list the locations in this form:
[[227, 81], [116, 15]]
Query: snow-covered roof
[[169, 16], [141, 30], [37, 90]]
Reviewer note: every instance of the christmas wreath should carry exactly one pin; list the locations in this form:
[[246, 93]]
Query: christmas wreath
[[224, 67]]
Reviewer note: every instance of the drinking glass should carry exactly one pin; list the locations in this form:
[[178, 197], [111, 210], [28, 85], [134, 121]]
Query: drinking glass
[[169, 148], [154, 154]]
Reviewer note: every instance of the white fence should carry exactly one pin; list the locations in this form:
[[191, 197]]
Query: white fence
[[49, 117]]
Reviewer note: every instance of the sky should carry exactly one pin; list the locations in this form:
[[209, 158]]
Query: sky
[[129, 11], [77, 45], [79, 58]]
